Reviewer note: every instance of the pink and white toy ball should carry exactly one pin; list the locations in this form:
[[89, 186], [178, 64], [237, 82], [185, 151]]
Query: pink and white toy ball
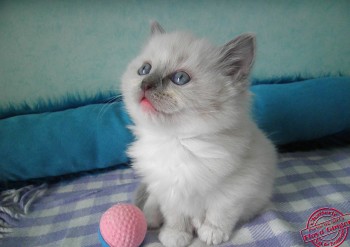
[[123, 225]]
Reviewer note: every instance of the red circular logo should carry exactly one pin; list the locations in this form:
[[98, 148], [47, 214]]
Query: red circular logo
[[326, 227]]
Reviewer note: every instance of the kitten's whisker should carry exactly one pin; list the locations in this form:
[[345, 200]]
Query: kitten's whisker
[[105, 106]]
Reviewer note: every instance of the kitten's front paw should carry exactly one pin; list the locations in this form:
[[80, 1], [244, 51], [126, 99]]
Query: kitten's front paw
[[211, 234], [197, 223], [174, 238]]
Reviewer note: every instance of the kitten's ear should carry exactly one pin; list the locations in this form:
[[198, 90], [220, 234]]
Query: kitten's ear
[[156, 28], [237, 56]]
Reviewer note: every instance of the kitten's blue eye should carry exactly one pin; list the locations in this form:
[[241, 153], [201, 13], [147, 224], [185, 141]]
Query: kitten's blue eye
[[180, 78], [144, 69]]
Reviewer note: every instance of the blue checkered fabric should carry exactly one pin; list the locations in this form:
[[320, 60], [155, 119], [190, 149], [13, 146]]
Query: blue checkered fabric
[[69, 213]]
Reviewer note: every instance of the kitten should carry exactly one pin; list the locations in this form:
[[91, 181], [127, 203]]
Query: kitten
[[204, 163]]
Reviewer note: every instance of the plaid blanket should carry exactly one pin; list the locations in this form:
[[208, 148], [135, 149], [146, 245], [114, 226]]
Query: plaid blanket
[[69, 213]]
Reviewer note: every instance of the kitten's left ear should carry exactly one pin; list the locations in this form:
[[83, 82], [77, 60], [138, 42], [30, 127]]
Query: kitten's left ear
[[156, 28], [237, 56]]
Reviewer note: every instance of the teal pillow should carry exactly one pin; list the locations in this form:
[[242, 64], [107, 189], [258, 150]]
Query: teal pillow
[[304, 110], [96, 135], [69, 141]]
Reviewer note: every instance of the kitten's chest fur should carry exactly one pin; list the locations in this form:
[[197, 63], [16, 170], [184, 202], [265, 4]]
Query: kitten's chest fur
[[188, 169]]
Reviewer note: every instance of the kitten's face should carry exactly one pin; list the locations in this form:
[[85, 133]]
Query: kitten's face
[[177, 77]]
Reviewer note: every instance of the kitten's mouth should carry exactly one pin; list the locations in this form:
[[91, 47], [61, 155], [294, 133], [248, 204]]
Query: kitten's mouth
[[147, 105]]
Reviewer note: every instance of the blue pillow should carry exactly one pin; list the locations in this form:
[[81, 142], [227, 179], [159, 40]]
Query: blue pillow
[[304, 110], [96, 135], [56, 143]]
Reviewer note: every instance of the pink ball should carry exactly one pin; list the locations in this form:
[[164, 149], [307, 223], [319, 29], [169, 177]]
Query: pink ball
[[123, 225]]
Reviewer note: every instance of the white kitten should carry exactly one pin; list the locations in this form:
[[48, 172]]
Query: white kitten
[[204, 164]]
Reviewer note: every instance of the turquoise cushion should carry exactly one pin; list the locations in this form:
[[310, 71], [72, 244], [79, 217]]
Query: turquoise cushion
[[303, 110], [95, 135], [56, 143]]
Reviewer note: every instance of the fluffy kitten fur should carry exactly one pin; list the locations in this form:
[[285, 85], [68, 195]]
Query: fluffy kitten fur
[[204, 163]]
